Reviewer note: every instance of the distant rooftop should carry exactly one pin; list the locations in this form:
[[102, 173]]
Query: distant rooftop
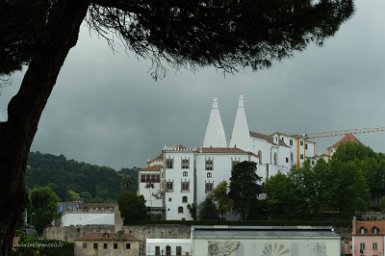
[[289, 232], [97, 236], [347, 138]]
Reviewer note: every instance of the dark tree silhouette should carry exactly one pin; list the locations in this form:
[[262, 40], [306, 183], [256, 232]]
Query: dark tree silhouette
[[229, 34], [244, 187]]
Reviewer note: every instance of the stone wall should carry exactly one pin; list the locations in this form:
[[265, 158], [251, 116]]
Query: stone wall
[[72, 232], [141, 232], [158, 231]]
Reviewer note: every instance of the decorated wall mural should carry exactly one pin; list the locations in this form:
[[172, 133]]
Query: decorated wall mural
[[266, 248]]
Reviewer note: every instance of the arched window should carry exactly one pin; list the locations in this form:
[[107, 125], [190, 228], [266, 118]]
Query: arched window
[[168, 250], [275, 158], [180, 209], [260, 156], [184, 199]]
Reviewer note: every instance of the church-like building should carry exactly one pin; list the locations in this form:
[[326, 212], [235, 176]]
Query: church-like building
[[181, 176]]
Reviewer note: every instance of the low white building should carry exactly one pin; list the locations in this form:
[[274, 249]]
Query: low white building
[[264, 241], [72, 214], [222, 240], [182, 176], [175, 247]]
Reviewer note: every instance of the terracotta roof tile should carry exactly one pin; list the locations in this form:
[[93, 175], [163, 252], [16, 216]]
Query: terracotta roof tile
[[369, 225], [347, 138], [97, 236], [221, 150], [152, 168], [261, 136], [267, 138]]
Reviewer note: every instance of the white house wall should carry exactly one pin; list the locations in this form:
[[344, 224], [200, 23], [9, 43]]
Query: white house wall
[[174, 199], [185, 245], [266, 167], [69, 219], [221, 170], [152, 196]]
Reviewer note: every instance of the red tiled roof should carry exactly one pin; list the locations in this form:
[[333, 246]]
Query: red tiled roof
[[152, 168], [368, 225], [281, 133], [97, 236], [347, 138], [267, 138], [261, 136], [221, 150]]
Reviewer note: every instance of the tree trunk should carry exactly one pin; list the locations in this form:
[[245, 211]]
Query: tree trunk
[[25, 108]]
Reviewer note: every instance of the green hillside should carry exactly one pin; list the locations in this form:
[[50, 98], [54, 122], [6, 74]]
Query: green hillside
[[71, 179]]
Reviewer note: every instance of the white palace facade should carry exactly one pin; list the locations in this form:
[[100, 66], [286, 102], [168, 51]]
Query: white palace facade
[[181, 176]]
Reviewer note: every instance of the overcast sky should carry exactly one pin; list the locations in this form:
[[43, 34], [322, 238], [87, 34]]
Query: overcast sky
[[107, 110]]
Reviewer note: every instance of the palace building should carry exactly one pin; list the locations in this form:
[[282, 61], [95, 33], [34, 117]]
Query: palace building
[[180, 176]]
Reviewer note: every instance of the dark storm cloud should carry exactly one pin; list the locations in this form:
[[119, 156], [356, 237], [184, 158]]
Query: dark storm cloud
[[106, 109]]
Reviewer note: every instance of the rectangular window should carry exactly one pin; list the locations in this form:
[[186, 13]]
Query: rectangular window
[[209, 164], [170, 186], [185, 185], [115, 246], [301, 143], [105, 246], [362, 246], [209, 187], [179, 251], [306, 146], [287, 159], [128, 246], [142, 178], [374, 247], [291, 142], [185, 174], [209, 175], [291, 157], [169, 163], [95, 246], [302, 156], [185, 164], [84, 245], [157, 250]]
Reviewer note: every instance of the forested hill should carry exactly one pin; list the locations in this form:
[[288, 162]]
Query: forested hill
[[71, 179]]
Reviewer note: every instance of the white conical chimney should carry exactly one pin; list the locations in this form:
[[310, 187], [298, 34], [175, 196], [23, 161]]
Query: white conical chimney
[[240, 137], [215, 134]]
